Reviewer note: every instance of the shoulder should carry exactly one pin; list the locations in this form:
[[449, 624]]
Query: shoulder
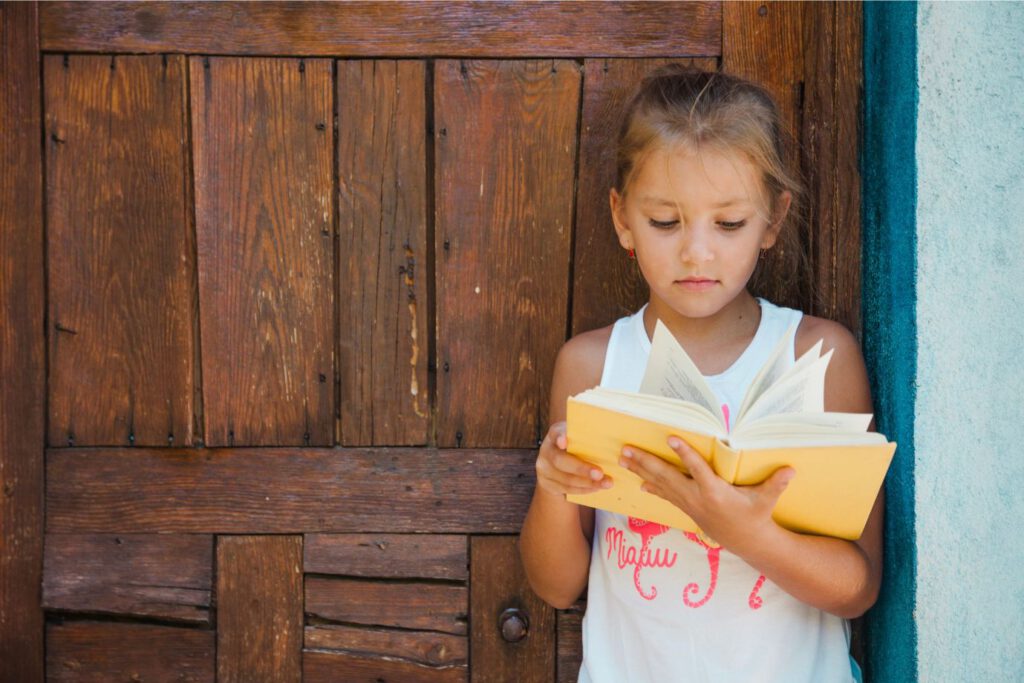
[[832, 334], [583, 355], [846, 382], [578, 367]]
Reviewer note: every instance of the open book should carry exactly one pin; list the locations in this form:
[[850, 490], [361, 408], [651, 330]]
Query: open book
[[781, 421]]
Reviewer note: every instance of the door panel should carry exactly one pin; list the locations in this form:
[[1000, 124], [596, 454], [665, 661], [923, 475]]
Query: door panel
[[308, 268]]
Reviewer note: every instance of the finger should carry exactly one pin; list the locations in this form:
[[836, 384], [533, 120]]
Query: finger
[[570, 464], [651, 468], [697, 466], [772, 487]]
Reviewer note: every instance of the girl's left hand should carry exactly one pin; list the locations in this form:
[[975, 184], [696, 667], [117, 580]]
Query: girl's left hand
[[733, 516]]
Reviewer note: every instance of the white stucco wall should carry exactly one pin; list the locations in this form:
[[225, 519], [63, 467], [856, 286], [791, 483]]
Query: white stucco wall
[[969, 420]]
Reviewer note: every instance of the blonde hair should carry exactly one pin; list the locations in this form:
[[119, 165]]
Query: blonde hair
[[677, 105]]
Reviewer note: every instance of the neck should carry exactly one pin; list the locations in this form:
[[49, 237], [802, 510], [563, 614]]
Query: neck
[[737, 320]]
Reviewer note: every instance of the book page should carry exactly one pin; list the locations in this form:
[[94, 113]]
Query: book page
[[802, 392], [770, 373], [670, 372]]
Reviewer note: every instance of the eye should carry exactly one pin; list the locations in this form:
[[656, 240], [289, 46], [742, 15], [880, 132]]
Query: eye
[[663, 225], [732, 225]]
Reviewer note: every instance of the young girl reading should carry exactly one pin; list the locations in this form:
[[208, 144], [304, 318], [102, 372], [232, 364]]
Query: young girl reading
[[701, 192]]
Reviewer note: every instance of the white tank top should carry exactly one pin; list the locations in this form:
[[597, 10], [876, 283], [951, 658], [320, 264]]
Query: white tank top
[[667, 605]]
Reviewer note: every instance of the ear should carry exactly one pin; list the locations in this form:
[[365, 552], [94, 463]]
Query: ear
[[782, 204], [617, 204]]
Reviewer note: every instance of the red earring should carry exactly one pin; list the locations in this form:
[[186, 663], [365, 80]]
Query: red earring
[[631, 254]]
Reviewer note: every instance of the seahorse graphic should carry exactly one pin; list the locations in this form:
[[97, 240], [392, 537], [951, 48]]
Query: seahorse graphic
[[647, 531], [692, 588], [755, 601]]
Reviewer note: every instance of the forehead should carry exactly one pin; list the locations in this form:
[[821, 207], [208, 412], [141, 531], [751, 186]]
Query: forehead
[[706, 176]]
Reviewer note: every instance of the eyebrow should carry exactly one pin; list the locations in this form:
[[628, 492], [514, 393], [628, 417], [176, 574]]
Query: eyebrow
[[659, 201]]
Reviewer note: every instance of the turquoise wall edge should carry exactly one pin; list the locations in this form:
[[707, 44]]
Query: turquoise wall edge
[[889, 258]]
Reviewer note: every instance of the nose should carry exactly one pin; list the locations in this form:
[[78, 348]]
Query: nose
[[696, 245]]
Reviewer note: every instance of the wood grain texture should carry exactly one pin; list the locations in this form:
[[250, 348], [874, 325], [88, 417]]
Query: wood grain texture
[[22, 344], [330, 667], [259, 609], [606, 284], [833, 38], [99, 652], [405, 556], [569, 624], [121, 257], [167, 576], [506, 144], [391, 29], [382, 253], [262, 140], [427, 648], [498, 582], [764, 42], [299, 490], [417, 606]]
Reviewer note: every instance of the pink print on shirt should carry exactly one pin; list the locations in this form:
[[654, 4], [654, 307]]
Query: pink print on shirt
[[644, 556]]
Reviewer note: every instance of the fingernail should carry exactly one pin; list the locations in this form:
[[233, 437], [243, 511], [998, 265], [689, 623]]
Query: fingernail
[[626, 453], [596, 475], [673, 442]]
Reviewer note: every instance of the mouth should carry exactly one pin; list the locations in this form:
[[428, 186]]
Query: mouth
[[696, 284]]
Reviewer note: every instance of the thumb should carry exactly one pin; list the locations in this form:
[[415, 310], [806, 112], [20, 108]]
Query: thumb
[[774, 485]]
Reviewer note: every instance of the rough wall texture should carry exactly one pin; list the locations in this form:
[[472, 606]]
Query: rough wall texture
[[889, 314], [970, 285]]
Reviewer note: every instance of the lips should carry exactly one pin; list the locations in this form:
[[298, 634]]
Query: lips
[[696, 284]]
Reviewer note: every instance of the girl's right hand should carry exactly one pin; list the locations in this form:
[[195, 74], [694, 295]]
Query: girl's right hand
[[560, 473]]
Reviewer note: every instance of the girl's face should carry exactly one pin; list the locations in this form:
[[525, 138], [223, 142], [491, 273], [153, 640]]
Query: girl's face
[[697, 221]]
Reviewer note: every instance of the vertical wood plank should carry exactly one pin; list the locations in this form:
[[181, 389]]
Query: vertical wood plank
[[120, 251], [259, 609], [505, 150], [570, 643], [763, 41], [100, 652], [498, 583], [838, 258], [606, 284], [382, 253], [22, 345], [263, 141]]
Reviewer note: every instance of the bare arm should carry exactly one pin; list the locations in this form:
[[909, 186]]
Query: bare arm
[[555, 540], [838, 576]]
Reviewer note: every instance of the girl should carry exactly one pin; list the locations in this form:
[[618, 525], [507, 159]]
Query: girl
[[700, 194]]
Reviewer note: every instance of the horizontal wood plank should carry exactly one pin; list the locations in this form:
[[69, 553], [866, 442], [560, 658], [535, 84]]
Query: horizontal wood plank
[[381, 29], [288, 490], [330, 667], [167, 576], [422, 647], [407, 556], [418, 606], [99, 652]]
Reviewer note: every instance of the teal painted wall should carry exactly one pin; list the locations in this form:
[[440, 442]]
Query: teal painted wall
[[889, 203]]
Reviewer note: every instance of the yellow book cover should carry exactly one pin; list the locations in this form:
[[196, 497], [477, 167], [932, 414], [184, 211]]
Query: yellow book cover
[[840, 466]]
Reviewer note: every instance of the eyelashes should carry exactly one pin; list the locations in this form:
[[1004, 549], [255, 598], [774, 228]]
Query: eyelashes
[[667, 225]]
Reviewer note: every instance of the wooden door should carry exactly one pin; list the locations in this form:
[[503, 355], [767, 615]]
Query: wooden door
[[282, 289]]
